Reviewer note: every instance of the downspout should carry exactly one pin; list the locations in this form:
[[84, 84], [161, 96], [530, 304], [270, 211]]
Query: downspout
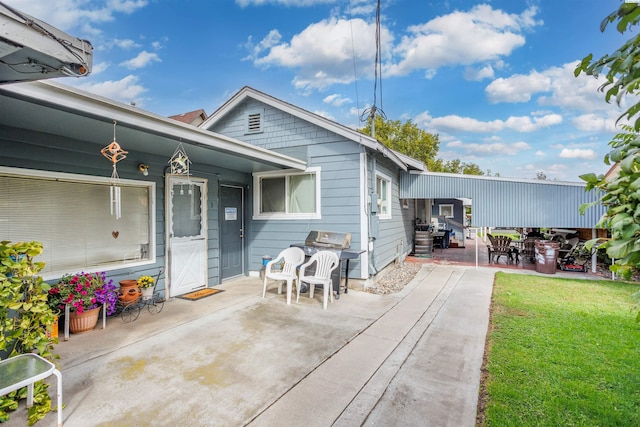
[[371, 217]]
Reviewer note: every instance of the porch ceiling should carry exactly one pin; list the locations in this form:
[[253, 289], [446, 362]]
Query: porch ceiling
[[55, 109]]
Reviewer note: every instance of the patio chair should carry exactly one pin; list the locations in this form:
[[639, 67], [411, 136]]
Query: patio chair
[[501, 245], [290, 259], [325, 262], [529, 249]]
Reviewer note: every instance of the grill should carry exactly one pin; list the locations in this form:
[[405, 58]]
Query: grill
[[339, 243]]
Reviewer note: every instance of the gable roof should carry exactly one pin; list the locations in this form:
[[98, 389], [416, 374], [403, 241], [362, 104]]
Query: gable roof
[[330, 125], [191, 117]]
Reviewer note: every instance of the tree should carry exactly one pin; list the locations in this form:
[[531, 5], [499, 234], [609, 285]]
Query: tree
[[408, 139], [622, 192]]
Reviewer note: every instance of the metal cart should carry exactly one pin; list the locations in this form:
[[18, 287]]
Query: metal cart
[[129, 312]]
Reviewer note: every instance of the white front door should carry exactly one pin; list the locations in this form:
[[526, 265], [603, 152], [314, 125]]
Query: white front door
[[187, 231]]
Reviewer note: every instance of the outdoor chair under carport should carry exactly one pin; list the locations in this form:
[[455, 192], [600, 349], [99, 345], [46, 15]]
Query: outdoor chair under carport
[[500, 245], [529, 249], [289, 259]]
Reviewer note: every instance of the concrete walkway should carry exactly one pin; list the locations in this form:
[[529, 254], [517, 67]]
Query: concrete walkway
[[234, 359]]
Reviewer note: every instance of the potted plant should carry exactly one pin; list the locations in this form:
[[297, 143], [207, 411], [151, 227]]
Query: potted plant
[[85, 293], [146, 285]]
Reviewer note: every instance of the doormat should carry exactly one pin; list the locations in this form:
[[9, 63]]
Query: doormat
[[199, 294]]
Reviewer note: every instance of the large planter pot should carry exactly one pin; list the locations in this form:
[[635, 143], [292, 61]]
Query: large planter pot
[[129, 292], [83, 322]]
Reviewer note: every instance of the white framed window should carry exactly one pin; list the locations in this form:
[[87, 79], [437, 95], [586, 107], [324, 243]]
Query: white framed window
[[383, 189], [287, 195], [445, 211], [70, 214], [254, 121]]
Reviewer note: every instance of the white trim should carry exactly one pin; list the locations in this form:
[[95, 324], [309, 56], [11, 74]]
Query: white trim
[[364, 217], [389, 181], [448, 205], [500, 178], [257, 215]]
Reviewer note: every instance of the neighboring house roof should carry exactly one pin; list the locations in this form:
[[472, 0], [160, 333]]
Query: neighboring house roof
[[344, 131], [192, 117], [613, 172], [52, 108]]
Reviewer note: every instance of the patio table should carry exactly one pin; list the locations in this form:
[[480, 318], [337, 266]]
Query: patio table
[[24, 370]]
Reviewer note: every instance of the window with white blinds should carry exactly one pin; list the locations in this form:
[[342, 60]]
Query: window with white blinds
[[71, 216]]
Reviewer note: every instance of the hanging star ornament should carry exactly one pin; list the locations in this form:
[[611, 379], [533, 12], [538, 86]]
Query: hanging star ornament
[[180, 161]]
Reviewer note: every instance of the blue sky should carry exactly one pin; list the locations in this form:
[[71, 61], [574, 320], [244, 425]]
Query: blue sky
[[494, 79]]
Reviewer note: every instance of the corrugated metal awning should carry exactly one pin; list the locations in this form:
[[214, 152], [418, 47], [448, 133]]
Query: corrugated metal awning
[[504, 202]]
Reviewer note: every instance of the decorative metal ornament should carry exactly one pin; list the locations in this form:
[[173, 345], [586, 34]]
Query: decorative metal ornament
[[114, 153], [180, 161]]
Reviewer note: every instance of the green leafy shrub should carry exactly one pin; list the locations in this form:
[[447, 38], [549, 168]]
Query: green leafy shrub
[[24, 317]]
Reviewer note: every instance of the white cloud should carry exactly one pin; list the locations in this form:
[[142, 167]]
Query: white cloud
[[556, 86], [125, 43], [323, 52], [467, 124], [76, 14], [324, 114], [296, 3], [595, 123], [143, 59], [517, 88], [124, 90], [496, 148], [336, 100], [99, 68], [461, 38], [478, 74], [577, 153]]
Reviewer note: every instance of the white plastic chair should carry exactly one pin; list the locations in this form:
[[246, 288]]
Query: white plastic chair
[[291, 258], [326, 262]]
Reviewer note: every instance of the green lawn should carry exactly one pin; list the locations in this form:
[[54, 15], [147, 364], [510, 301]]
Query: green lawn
[[562, 352]]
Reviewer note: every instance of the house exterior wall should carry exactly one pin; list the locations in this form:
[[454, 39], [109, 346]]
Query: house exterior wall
[[32, 150], [339, 163], [392, 237]]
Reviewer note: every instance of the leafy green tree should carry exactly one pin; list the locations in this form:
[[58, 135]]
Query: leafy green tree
[[457, 166], [408, 138], [621, 197]]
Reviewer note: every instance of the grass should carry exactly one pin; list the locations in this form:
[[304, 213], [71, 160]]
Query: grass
[[561, 352]]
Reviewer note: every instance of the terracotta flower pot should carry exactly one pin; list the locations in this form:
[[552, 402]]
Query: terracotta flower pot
[[83, 322], [129, 292]]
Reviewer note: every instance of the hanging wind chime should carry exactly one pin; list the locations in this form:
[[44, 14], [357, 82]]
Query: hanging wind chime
[[114, 153]]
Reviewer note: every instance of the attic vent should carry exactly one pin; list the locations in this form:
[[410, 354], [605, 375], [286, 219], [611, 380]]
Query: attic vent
[[254, 122]]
